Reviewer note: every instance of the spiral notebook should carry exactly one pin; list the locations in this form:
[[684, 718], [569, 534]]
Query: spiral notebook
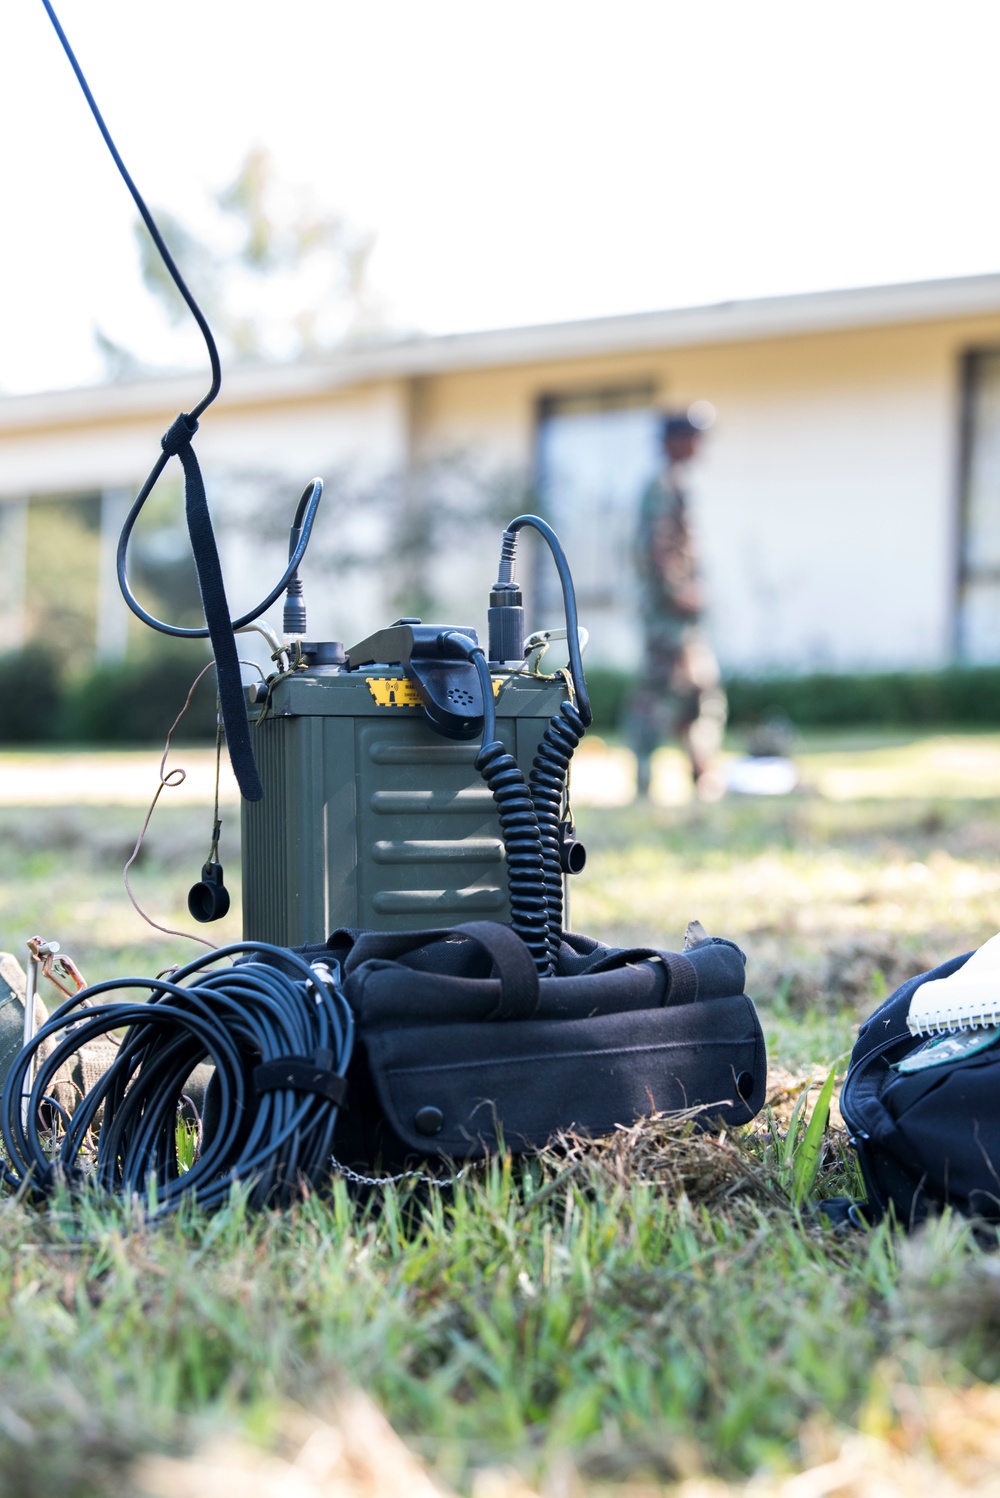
[[967, 1000]]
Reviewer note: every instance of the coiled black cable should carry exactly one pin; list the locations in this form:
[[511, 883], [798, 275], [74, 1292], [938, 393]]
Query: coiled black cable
[[519, 828], [280, 1035], [518, 819], [547, 787], [550, 767]]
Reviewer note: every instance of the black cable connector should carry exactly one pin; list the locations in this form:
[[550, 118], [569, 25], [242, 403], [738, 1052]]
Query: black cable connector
[[293, 621], [548, 535], [506, 612]]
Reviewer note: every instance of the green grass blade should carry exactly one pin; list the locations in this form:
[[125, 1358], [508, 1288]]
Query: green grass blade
[[806, 1160]]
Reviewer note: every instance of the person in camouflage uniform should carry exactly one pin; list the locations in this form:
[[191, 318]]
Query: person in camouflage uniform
[[680, 694]]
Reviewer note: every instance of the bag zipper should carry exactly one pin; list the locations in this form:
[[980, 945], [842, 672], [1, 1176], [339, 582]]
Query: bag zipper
[[858, 1138]]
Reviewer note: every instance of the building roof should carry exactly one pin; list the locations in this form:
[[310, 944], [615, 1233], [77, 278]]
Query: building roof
[[721, 322]]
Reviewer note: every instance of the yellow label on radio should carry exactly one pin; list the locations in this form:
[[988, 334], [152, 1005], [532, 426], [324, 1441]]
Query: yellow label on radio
[[393, 691], [397, 691]]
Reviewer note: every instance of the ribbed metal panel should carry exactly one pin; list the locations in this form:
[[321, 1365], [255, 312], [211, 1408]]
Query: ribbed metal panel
[[266, 867], [421, 798], [369, 818], [284, 835]]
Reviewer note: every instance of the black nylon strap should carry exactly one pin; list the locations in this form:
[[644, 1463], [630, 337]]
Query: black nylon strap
[[177, 441], [682, 975], [683, 987], [387, 946], [514, 964], [302, 1074]]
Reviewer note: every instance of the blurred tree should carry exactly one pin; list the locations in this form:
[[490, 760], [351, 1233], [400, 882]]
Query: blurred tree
[[63, 548], [279, 276], [412, 530]]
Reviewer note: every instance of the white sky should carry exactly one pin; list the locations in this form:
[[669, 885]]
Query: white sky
[[524, 161]]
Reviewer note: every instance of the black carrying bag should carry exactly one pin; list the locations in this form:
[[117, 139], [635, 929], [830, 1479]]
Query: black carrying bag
[[462, 1049], [925, 1139]]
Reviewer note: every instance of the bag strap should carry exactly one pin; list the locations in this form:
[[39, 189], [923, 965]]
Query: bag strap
[[682, 975], [515, 967], [513, 963]]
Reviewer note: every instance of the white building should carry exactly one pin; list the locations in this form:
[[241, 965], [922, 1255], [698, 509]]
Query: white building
[[848, 498]]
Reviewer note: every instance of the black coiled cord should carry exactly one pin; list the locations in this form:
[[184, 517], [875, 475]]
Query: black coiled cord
[[547, 786], [280, 1036], [522, 838], [531, 811], [519, 828], [550, 768]]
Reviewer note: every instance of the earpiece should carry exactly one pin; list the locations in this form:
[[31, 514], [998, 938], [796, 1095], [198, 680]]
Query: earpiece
[[208, 900]]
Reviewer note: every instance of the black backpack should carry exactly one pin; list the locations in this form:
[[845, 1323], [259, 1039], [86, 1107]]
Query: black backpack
[[463, 1049], [929, 1138]]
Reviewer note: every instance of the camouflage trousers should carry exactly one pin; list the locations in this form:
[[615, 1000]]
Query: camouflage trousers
[[679, 696]]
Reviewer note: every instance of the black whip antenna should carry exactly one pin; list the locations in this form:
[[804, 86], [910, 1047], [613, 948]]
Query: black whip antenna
[[220, 626], [149, 221]]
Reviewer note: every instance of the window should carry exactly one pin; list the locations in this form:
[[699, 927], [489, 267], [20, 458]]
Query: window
[[58, 577], [979, 572], [596, 452]]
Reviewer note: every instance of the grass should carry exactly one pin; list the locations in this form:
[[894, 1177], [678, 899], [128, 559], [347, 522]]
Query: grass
[[637, 1310]]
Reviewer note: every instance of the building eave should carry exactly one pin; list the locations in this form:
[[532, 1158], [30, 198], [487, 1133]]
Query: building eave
[[406, 358]]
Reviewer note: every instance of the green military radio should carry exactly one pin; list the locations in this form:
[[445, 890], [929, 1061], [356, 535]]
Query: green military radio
[[414, 780]]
